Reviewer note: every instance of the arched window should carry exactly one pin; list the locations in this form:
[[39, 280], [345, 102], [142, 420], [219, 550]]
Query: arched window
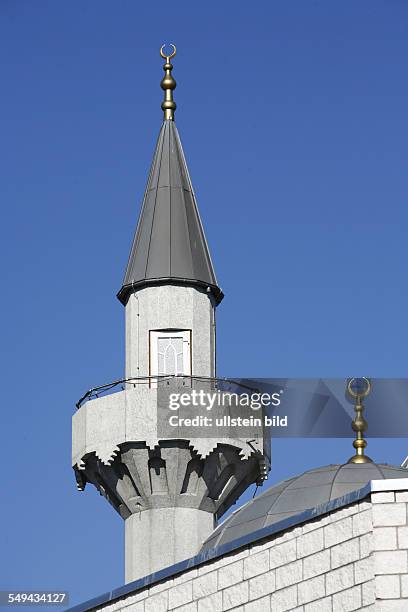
[[170, 353]]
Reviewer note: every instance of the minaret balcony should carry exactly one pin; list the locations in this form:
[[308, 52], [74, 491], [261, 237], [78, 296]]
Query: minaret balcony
[[117, 427], [130, 410]]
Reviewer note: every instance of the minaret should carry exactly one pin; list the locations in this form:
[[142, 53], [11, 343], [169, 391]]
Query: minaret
[[168, 491]]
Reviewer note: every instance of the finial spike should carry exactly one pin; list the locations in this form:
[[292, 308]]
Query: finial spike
[[168, 84], [359, 424]]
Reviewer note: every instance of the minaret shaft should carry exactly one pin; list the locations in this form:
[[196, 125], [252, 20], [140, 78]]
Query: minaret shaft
[[187, 311], [186, 530]]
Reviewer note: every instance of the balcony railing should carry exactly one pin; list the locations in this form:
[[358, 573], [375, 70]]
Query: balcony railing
[[222, 384]]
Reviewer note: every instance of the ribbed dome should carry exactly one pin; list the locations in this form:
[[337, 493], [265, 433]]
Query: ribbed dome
[[298, 494]]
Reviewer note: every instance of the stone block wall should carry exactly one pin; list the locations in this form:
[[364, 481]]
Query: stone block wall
[[390, 550], [354, 558]]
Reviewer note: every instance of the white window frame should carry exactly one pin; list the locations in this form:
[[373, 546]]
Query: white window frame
[[154, 336]]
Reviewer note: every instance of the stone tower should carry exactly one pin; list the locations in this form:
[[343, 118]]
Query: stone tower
[[169, 491]]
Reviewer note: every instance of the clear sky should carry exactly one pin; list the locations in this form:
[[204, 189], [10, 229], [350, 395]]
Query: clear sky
[[293, 117]]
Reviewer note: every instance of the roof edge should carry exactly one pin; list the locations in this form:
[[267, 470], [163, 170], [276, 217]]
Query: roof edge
[[126, 290]]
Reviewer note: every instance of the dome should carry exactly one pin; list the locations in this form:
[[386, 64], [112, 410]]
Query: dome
[[295, 495]]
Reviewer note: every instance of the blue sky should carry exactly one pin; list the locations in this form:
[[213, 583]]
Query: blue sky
[[293, 119]]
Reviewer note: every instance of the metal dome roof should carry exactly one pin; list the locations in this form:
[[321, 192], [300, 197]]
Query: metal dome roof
[[295, 495]]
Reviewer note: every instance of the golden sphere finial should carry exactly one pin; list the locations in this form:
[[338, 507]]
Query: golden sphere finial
[[359, 424], [168, 84]]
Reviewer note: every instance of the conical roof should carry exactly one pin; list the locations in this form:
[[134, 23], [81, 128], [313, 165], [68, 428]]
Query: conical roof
[[169, 246]]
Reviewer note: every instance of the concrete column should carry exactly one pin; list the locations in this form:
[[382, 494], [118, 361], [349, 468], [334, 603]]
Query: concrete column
[[161, 537]]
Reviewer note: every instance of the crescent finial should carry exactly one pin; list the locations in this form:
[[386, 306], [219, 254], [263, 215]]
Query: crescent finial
[[172, 54], [363, 392]]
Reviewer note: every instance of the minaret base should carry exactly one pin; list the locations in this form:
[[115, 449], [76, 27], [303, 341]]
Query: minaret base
[[160, 537]]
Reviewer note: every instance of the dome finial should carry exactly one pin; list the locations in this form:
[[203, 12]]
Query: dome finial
[[168, 84], [358, 388]]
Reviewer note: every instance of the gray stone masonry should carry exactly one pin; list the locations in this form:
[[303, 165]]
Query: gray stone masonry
[[354, 558]]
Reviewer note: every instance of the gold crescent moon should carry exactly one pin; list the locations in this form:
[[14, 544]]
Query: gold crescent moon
[[172, 54], [363, 393]]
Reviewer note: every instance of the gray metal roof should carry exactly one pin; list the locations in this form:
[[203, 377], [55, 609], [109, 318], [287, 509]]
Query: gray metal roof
[[296, 495], [169, 244]]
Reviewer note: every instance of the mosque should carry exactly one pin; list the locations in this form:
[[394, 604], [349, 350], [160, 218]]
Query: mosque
[[333, 539]]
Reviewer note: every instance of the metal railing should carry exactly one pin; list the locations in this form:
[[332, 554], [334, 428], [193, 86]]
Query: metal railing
[[224, 384]]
